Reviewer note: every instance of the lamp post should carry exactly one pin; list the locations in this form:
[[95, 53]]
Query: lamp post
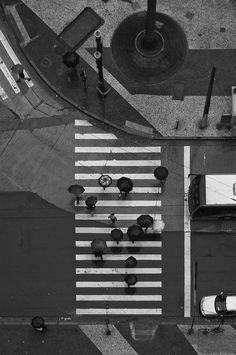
[[149, 38], [101, 89], [98, 39]]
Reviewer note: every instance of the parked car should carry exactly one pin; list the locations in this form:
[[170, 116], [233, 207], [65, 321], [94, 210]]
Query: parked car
[[222, 304]]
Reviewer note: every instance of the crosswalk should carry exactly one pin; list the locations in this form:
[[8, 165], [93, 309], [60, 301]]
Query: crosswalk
[[8, 85], [100, 285]]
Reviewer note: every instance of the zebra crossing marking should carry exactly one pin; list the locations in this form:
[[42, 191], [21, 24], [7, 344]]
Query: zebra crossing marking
[[124, 203], [95, 136], [125, 244], [13, 56], [136, 190], [118, 311], [121, 257], [118, 284], [118, 270], [87, 289], [115, 162], [115, 176], [83, 123], [103, 216], [109, 298], [119, 150]]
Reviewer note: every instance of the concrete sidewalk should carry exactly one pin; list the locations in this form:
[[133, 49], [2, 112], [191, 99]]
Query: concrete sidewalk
[[148, 110]]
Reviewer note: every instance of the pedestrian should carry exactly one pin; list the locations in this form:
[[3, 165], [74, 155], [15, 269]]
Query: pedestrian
[[113, 219], [158, 226], [123, 194], [19, 70], [83, 77]]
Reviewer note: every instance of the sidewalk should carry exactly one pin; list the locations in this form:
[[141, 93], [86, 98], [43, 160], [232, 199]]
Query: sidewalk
[[150, 111]]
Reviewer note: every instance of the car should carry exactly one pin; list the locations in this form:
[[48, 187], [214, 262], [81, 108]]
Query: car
[[218, 305]]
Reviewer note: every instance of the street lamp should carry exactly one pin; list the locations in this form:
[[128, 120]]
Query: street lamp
[[98, 39], [101, 89]]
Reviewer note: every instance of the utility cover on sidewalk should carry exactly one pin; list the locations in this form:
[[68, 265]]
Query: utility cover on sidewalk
[[83, 26]]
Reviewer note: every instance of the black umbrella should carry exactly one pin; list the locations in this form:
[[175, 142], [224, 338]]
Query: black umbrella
[[98, 247], [91, 201], [105, 181], [131, 262], [135, 232], [117, 235], [76, 189], [145, 221], [71, 59], [125, 184], [131, 279], [37, 323], [161, 173]]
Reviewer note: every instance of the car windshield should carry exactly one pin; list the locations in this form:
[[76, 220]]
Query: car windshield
[[220, 304]]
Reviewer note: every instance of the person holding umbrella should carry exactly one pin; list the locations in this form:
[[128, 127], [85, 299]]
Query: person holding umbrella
[[145, 221], [77, 190], [113, 219], [90, 203], [161, 174], [98, 247], [125, 185], [19, 70], [131, 279], [135, 232], [117, 235]]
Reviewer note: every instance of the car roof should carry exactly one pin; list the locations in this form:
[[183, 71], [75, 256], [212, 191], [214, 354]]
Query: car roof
[[220, 189], [231, 303]]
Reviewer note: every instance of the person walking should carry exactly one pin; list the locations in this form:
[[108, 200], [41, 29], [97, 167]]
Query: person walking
[[19, 70], [113, 219]]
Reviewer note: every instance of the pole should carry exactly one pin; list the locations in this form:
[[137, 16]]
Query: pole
[[150, 23], [101, 89], [98, 39], [203, 123], [190, 331]]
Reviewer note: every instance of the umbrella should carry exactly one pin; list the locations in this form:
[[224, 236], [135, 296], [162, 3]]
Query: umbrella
[[125, 184], [158, 226], [131, 262], [145, 220], [105, 181], [134, 232], [76, 189], [17, 68], [131, 279], [98, 246], [37, 322], [71, 59], [117, 235], [91, 201], [161, 173]]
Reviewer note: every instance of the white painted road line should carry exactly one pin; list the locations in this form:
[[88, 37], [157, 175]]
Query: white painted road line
[[3, 93], [13, 56], [82, 123], [95, 136], [118, 298], [103, 216], [9, 77], [125, 311], [115, 176], [117, 150], [97, 230], [109, 190], [124, 203], [125, 244], [115, 162], [88, 257], [118, 271], [187, 237], [118, 284]]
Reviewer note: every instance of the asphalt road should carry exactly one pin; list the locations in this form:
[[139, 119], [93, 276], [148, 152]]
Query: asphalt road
[[36, 257]]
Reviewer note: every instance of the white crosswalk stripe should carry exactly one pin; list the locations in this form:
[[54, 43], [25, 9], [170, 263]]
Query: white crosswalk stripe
[[101, 282]]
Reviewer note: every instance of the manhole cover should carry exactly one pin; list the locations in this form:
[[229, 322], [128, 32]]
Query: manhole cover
[[156, 63], [45, 62]]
